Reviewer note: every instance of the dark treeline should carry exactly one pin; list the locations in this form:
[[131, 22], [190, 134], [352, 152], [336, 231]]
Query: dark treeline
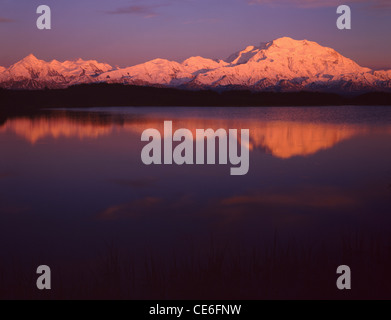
[[100, 95]]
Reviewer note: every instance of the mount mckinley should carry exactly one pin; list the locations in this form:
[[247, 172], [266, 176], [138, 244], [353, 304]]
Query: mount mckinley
[[284, 64]]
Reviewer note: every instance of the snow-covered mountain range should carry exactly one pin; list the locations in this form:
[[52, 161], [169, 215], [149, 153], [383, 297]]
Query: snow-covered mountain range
[[284, 64], [31, 73]]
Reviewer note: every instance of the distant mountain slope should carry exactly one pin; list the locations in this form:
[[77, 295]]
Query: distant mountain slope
[[284, 64]]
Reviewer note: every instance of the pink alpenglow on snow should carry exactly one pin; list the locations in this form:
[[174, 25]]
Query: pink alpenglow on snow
[[284, 64]]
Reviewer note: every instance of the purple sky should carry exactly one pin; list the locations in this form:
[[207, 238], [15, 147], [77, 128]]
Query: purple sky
[[127, 32]]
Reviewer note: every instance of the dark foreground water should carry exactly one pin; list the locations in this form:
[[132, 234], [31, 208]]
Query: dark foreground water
[[75, 195]]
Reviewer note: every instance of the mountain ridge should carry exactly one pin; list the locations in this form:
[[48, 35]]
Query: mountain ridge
[[281, 65]]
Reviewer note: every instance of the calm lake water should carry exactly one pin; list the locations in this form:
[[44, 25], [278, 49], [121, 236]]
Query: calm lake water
[[72, 182]]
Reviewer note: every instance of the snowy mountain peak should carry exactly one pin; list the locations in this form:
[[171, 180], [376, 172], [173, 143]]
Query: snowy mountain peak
[[29, 61], [288, 42], [284, 42], [30, 58]]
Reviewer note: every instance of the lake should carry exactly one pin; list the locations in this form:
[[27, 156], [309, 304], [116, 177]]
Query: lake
[[75, 195]]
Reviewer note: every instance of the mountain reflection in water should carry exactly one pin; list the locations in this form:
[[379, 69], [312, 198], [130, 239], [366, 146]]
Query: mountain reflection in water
[[72, 182], [282, 139]]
